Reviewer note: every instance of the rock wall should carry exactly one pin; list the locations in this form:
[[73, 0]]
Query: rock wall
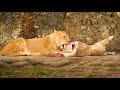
[[88, 27]]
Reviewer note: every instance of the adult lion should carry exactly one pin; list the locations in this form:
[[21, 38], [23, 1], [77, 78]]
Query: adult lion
[[81, 49], [37, 46]]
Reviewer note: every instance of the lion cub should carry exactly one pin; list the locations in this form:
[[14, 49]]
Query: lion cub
[[81, 49]]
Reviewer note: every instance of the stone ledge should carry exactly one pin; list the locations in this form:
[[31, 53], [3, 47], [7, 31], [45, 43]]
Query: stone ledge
[[62, 62]]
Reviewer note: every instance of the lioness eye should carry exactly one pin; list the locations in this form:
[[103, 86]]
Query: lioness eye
[[64, 36]]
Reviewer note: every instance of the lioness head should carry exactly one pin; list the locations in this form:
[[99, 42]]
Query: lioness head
[[61, 38]]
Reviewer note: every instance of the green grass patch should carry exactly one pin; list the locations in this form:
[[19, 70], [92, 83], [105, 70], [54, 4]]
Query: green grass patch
[[92, 76], [9, 71]]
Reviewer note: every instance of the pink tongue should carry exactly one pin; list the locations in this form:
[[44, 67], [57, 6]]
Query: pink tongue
[[68, 48]]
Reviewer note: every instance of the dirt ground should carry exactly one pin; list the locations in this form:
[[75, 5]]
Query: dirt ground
[[60, 67]]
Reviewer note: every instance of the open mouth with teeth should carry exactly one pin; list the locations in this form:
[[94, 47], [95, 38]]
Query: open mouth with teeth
[[68, 47]]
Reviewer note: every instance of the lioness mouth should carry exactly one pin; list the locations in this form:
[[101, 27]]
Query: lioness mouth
[[64, 46], [68, 47]]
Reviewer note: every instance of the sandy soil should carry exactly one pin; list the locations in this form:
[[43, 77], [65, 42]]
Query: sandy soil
[[72, 67]]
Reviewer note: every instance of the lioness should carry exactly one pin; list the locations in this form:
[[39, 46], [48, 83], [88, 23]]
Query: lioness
[[37, 46], [81, 49]]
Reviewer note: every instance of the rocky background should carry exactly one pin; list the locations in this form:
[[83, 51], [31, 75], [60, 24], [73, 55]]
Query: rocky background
[[87, 27]]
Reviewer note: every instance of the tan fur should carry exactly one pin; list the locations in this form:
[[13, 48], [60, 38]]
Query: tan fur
[[37, 46], [82, 49]]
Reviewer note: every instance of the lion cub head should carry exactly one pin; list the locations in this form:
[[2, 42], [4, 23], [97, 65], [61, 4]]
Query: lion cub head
[[61, 38]]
